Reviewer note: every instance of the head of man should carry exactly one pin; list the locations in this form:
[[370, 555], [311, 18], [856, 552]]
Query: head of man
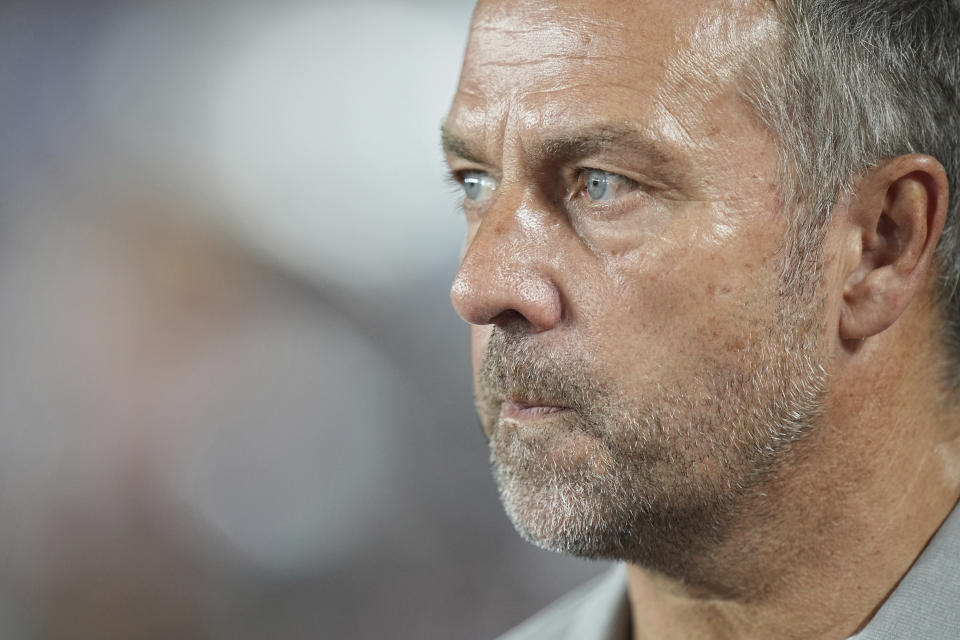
[[668, 302]]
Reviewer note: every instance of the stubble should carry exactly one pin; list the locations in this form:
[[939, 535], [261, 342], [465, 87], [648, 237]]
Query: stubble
[[653, 478]]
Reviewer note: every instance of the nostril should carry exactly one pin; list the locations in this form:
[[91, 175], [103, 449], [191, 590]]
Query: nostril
[[524, 302], [511, 319]]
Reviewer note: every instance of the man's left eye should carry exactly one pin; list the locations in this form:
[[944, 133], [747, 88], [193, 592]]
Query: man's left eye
[[603, 185]]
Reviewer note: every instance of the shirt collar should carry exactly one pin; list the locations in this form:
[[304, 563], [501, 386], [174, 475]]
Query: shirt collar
[[926, 603]]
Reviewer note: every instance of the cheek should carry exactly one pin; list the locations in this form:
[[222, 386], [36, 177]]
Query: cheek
[[695, 298]]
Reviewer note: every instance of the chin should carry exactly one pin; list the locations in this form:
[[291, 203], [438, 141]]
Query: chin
[[572, 493], [584, 521]]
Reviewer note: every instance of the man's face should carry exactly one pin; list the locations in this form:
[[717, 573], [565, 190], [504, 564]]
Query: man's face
[[638, 371]]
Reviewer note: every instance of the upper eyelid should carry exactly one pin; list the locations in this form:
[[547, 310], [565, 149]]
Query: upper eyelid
[[582, 171], [455, 176], [458, 173], [452, 179]]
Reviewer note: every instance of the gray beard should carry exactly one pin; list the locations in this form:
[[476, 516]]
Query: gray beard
[[655, 480]]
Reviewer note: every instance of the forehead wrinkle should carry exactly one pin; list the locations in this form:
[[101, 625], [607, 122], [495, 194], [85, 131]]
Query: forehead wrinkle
[[545, 58], [588, 89], [554, 35], [475, 133]]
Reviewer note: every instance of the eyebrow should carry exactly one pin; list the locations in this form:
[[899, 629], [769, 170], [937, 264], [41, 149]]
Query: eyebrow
[[455, 145], [583, 142], [602, 138]]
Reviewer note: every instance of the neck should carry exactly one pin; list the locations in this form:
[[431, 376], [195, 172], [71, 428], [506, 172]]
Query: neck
[[818, 550]]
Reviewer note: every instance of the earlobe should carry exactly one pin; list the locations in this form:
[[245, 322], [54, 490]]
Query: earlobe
[[896, 215]]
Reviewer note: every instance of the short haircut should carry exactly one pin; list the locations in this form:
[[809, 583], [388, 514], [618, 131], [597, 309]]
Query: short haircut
[[851, 84]]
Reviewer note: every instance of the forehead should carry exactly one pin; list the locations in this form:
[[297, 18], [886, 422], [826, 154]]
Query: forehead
[[532, 64]]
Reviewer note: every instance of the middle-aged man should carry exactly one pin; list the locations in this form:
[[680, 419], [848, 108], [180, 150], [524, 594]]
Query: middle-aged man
[[712, 267]]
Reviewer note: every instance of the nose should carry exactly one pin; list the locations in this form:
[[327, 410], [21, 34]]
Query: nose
[[505, 278]]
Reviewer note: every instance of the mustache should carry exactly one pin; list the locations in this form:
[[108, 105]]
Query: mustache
[[515, 368]]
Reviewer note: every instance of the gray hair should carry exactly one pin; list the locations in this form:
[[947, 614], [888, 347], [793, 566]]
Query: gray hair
[[853, 83]]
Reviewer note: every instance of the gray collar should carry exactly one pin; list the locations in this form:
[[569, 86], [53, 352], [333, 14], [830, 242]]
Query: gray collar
[[926, 603]]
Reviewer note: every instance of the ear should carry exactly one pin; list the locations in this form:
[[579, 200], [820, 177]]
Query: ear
[[896, 214]]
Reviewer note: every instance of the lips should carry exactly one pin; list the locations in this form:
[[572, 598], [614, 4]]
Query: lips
[[525, 410]]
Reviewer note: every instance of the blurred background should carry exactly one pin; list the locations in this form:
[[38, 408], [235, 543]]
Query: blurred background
[[234, 399]]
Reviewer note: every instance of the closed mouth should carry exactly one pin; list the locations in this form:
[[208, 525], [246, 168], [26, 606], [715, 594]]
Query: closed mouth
[[524, 409]]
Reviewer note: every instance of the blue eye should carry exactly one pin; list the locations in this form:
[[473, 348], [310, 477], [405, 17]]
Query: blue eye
[[603, 185], [478, 185]]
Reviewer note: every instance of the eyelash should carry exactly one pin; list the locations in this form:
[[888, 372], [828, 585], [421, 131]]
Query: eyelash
[[453, 181], [454, 184]]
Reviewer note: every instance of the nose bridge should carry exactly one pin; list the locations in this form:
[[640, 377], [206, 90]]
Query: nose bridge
[[506, 269]]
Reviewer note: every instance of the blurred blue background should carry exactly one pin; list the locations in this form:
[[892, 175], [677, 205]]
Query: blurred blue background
[[234, 399]]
